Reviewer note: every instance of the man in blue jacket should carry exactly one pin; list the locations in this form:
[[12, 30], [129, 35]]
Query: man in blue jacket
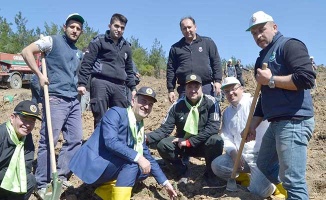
[[116, 155], [286, 103]]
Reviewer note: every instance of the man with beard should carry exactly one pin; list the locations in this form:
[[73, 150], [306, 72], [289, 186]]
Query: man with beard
[[108, 62], [62, 60], [286, 103]]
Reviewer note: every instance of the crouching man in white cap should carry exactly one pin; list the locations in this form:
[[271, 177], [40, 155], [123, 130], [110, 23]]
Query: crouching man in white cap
[[233, 123], [17, 152]]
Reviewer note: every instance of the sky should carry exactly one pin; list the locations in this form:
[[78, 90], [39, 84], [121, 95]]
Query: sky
[[223, 21]]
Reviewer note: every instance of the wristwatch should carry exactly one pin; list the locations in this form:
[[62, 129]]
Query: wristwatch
[[271, 83]]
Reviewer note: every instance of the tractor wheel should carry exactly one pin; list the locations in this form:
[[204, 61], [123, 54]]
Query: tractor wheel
[[15, 82]]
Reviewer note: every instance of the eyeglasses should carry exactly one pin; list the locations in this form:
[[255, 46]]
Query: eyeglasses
[[25, 119], [231, 90]]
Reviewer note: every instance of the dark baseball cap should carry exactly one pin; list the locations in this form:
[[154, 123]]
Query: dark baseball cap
[[147, 91], [75, 16], [193, 78], [28, 108]]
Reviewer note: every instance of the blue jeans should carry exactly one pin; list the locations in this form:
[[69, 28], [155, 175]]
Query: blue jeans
[[65, 118], [283, 154]]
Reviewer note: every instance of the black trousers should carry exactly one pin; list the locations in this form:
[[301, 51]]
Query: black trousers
[[31, 184], [106, 94], [171, 153]]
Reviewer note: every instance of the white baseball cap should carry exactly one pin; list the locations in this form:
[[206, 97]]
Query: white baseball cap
[[311, 57], [259, 18], [229, 81], [230, 60]]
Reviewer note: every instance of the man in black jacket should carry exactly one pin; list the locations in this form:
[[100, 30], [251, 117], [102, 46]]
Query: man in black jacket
[[197, 120], [193, 54], [17, 152], [108, 61]]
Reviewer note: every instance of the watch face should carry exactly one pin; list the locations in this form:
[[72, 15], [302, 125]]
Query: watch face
[[271, 84]]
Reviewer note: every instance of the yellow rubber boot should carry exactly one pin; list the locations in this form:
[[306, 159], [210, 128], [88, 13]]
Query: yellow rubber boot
[[244, 179], [280, 192], [121, 193], [105, 190]]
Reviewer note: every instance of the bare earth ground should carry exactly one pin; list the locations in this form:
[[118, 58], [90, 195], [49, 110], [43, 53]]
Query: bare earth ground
[[149, 189]]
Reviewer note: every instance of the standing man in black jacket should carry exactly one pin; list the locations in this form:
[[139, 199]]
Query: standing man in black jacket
[[108, 62], [193, 54], [238, 69], [196, 117]]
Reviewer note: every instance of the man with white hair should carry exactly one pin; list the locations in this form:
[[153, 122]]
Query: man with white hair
[[286, 103]]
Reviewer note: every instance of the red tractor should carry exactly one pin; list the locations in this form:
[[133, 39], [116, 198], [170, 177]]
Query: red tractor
[[14, 72]]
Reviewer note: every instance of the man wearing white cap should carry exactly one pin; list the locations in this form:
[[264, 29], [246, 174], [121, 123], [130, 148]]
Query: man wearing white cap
[[286, 103], [62, 60], [230, 69], [233, 122]]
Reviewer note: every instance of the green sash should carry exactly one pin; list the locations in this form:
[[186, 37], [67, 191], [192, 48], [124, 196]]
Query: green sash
[[15, 179], [191, 125], [138, 135]]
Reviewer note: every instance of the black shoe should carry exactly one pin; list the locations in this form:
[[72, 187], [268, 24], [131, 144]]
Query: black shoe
[[214, 181]]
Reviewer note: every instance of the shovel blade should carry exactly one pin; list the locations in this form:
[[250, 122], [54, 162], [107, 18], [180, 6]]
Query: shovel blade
[[231, 185], [53, 191]]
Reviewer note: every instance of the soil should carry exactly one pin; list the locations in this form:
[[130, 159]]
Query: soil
[[149, 189]]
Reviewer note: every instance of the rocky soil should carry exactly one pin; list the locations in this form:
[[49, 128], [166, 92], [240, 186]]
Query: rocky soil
[[149, 189]]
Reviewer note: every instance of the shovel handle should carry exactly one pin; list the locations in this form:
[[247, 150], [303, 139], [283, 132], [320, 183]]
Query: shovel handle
[[48, 116], [246, 130]]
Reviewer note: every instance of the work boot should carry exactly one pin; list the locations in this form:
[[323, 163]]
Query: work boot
[[121, 193], [105, 190], [243, 179], [280, 192]]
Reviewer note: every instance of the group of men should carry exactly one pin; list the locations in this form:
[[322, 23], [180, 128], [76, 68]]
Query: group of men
[[116, 155]]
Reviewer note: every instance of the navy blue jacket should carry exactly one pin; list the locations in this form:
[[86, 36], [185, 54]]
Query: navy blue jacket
[[200, 57], [286, 56], [110, 145], [106, 59]]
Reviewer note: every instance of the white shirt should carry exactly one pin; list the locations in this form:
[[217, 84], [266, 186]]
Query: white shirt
[[45, 44], [234, 122]]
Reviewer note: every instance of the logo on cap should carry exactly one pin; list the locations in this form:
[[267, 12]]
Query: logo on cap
[[33, 108], [193, 77], [149, 91], [253, 19]]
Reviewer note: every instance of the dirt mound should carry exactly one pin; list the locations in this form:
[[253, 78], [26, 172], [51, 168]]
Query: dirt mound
[[149, 189]]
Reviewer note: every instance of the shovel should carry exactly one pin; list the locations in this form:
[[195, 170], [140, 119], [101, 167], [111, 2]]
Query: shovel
[[231, 184], [53, 189]]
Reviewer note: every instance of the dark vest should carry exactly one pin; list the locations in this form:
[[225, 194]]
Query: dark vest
[[62, 63], [278, 102]]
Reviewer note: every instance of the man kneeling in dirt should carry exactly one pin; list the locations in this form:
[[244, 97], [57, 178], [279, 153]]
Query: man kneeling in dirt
[[116, 156], [197, 120], [233, 123], [17, 152]]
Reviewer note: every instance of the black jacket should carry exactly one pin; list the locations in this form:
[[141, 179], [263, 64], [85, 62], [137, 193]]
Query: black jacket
[[208, 125], [105, 59], [201, 57], [7, 149]]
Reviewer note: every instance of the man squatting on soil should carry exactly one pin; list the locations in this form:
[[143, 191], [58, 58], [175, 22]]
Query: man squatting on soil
[[17, 152], [196, 117], [286, 103], [62, 60], [234, 120], [116, 156]]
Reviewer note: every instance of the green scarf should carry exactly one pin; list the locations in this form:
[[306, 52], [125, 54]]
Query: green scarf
[[191, 125], [15, 179], [138, 135]]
